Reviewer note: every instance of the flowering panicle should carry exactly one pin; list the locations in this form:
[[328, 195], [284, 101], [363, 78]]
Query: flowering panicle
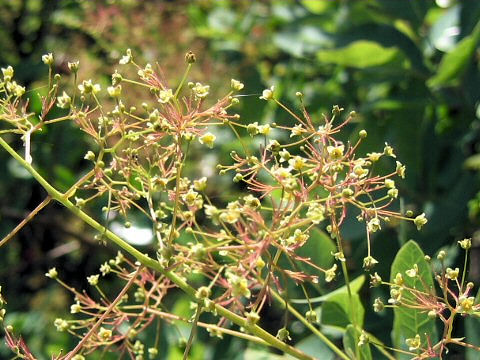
[[139, 165]]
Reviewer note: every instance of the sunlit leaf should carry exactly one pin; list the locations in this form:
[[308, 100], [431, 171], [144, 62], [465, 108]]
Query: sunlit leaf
[[454, 63], [410, 322], [339, 311], [359, 54]]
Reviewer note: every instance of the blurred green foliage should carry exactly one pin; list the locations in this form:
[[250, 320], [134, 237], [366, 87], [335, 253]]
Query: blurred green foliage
[[410, 69]]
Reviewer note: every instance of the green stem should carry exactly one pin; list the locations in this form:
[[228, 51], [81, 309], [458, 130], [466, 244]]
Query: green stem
[[192, 332], [153, 264], [312, 328], [462, 284], [189, 66], [349, 291]]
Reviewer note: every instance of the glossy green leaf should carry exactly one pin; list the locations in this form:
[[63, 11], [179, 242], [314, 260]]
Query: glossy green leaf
[[313, 347], [409, 322], [319, 249], [455, 62], [350, 341], [359, 54], [337, 311]]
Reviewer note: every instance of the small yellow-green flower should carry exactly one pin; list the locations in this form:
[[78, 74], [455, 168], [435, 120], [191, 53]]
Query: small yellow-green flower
[[47, 59], [389, 183], [52, 273], [200, 184], [465, 244], [267, 94], [388, 150], [61, 324], [331, 273], [466, 304], [264, 129], [64, 101], [452, 274], [105, 334], [296, 130], [208, 139], [88, 87], [374, 225], [378, 305], [400, 169], [93, 279], [146, 73], [297, 163], [413, 343], [420, 220], [369, 262], [236, 85], [75, 308], [126, 59], [200, 91], [335, 152], [374, 156], [7, 73], [114, 91], [165, 96], [413, 272]]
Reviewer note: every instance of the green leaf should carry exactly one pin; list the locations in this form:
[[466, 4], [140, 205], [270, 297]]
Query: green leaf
[[318, 248], [472, 332], [338, 312], [473, 162], [455, 62], [313, 347], [409, 322], [359, 54], [350, 341], [355, 286], [315, 6]]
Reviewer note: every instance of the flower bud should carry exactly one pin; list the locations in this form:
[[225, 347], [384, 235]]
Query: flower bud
[[346, 193], [203, 292], [73, 66], [260, 264], [311, 316], [252, 318], [48, 59], [283, 334], [152, 353], [190, 57], [375, 280], [369, 262], [441, 255]]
